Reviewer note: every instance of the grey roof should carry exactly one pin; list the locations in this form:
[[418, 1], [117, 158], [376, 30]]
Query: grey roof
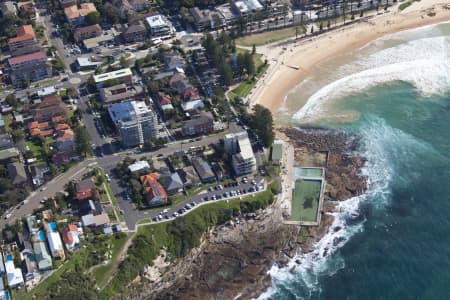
[[201, 118], [9, 153], [203, 168], [8, 8], [17, 172], [43, 258], [135, 28], [85, 184], [189, 176], [172, 181], [39, 169], [6, 141]]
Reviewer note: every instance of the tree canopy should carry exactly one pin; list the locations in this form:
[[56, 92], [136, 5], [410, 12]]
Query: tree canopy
[[262, 122]]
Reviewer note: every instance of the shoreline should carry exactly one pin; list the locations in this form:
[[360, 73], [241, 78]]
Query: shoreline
[[307, 53]]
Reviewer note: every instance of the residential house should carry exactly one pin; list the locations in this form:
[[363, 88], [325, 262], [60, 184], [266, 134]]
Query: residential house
[[24, 243], [164, 102], [71, 236], [55, 243], [160, 27], [8, 154], [180, 83], [190, 94], [28, 8], [130, 7], [75, 16], [221, 174], [61, 158], [138, 166], [119, 93], [24, 42], [65, 142], [67, 3], [122, 75], [243, 159], [192, 105], [87, 32], [13, 275], [135, 33], [6, 141], [8, 8], [203, 123], [86, 63], [202, 19], [172, 183], [50, 106], [43, 129], [173, 61], [203, 169], [135, 122], [189, 176], [38, 171], [90, 207], [32, 224], [154, 193], [32, 67], [43, 258], [91, 220], [86, 190], [17, 173], [95, 42], [29, 266]]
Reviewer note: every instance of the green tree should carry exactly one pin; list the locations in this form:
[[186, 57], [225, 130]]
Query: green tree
[[111, 13], [253, 49], [83, 141], [12, 100], [262, 122], [93, 18]]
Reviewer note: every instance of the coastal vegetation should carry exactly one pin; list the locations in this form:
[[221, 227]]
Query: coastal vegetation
[[268, 37], [178, 237]]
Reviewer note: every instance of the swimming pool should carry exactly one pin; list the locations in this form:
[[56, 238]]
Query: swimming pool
[[41, 235], [308, 172], [52, 226]]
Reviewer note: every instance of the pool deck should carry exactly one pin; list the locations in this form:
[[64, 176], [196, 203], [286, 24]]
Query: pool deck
[[320, 207]]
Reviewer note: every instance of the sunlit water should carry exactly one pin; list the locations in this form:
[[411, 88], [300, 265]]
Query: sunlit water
[[395, 94]]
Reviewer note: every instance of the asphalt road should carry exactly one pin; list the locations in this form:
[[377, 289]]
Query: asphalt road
[[50, 189]]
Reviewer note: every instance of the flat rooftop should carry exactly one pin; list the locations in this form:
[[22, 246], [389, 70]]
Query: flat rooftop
[[112, 75]]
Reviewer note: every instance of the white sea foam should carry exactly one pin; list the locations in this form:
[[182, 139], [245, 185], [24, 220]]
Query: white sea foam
[[425, 63], [385, 149]]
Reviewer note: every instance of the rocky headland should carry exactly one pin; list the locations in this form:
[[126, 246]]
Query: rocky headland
[[234, 258]]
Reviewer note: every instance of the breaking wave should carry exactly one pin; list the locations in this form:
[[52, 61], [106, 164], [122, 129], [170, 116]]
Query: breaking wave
[[425, 63]]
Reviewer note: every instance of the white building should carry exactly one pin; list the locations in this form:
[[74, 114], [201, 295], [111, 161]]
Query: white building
[[139, 165], [122, 75], [160, 27], [135, 122], [239, 146], [55, 243], [13, 274]]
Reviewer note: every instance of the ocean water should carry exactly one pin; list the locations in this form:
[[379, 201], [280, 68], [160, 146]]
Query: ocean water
[[394, 241]]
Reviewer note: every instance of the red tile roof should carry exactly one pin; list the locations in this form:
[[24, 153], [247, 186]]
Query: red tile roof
[[152, 186], [65, 134], [23, 33], [67, 236], [62, 126], [58, 119], [27, 57]]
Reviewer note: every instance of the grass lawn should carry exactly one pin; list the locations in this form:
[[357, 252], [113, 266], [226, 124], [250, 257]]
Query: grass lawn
[[104, 272], [306, 200], [35, 149], [268, 37], [62, 92]]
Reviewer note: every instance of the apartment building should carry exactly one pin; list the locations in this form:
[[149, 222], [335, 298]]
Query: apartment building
[[24, 42], [30, 67], [123, 76], [87, 32], [75, 16], [242, 159], [160, 27], [135, 122]]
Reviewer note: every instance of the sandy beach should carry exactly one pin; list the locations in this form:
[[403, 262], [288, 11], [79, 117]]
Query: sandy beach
[[292, 62]]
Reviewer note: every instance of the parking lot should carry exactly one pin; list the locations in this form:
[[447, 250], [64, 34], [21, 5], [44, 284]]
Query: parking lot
[[241, 188]]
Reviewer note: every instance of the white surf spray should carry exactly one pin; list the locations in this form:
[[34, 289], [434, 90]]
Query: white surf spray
[[385, 149], [425, 63]]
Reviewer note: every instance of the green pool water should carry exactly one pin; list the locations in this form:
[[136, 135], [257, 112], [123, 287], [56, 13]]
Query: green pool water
[[305, 203], [308, 172]]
